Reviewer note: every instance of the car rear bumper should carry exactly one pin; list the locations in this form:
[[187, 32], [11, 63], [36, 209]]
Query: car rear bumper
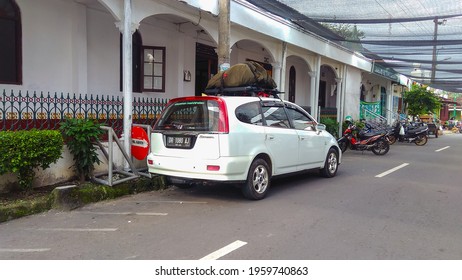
[[222, 169]]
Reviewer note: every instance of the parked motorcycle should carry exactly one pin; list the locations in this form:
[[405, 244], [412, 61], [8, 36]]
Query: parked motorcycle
[[371, 129], [411, 133], [375, 142]]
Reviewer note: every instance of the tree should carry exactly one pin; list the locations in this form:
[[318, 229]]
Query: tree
[[420, 101], [349, 33]]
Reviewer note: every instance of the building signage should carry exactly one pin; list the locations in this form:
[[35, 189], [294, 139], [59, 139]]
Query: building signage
[[385, 72]]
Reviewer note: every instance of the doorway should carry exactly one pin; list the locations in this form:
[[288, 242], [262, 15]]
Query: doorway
[[206, 66], [292, 79]]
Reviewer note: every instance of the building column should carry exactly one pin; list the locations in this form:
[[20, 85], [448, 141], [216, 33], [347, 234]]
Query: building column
[[338, 99], [277, 77], [313, 103], [127, 28], [316, 112]]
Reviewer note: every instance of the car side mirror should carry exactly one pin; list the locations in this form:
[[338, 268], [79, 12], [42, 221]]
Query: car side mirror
[[320, 127]]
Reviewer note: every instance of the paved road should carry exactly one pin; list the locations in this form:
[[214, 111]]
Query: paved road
[[365, 212]]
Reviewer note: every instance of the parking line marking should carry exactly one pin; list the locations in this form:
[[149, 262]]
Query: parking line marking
[[24, 250], [170, 201], [444, 148], [126, 213], [391, 170], [78, 229], [225, 250]]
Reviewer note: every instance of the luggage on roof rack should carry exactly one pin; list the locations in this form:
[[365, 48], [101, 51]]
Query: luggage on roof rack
[[241, 75], [243, 91]]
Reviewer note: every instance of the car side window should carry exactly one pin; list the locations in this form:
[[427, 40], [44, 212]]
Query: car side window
[[301, 121], [275, 116], [249, 113]]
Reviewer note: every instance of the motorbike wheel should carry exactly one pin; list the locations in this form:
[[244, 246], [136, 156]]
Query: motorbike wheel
[[381, 147], [391, 139], [421, 140], [343, 146]]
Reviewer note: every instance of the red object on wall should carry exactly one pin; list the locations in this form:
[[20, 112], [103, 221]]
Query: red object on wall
[[140, 143]]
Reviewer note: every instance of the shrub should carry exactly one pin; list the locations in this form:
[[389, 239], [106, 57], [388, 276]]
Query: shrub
[[80, 136], [331, 126], [23, 151]]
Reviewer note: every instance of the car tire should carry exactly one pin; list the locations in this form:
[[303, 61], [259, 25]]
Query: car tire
[[258, 180], [331, 164]]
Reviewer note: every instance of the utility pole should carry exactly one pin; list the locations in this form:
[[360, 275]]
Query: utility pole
[[223, 35], [435, 40]]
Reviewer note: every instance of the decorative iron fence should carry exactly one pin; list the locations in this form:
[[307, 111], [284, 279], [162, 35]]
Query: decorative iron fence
[[329, 112], [19, 111]]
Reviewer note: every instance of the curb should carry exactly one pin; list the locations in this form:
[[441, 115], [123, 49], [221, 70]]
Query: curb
[[67, 198]]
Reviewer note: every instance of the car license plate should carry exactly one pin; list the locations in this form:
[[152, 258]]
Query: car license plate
[[178, 142]]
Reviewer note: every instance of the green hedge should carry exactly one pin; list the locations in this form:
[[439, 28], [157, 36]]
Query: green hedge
[[21, 152]]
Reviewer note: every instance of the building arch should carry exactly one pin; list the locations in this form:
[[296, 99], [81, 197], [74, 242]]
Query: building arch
[[328, 87], [302, 83]]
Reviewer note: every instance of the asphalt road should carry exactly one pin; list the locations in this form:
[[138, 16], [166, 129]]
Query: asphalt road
[[413, 212]]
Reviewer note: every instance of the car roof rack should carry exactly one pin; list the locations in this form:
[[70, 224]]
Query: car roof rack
[[243, 91]]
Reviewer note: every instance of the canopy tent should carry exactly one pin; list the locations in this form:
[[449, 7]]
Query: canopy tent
[[421, 39]]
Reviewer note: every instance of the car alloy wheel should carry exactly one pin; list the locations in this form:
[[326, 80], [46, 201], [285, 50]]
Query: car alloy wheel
[[258, 180]]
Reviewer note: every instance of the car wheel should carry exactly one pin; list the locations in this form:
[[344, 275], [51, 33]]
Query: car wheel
[[258, 180], [331, 164]]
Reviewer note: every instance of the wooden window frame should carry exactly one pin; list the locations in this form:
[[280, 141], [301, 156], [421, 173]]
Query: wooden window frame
[[153, 67]]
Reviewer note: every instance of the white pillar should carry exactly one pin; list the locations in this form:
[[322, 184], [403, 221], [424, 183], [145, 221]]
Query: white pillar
[[343, 96], [127, 76], [316, 112], [277, 76], [313, 103], [282, 72], [338, 98]]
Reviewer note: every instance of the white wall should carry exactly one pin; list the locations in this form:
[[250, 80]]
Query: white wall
[[352, 85], [303, 80]]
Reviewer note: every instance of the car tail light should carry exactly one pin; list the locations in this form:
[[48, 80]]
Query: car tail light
[[223, 125], [213, 167], [150, 161]]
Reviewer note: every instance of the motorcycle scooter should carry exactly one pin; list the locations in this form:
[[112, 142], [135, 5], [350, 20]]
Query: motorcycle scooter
[[377, 143], [410, 133]]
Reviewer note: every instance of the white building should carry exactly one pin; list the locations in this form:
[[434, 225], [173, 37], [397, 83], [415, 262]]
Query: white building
[[75, 47]]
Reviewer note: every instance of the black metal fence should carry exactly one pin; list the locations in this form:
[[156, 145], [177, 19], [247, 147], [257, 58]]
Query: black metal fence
[[25, 111]]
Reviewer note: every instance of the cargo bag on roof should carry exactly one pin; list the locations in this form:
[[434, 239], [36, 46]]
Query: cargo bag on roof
[[242, 74]]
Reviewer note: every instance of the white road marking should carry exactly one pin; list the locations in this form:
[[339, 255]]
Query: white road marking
[[24, 250], [126, 213], [225, 250], [444, 148], [170, 201], [78, 229], [391, 170]]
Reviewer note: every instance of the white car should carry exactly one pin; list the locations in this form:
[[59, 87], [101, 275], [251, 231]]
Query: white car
[[239, 139]]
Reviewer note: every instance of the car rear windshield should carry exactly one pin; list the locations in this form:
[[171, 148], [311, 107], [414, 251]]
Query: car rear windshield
[[191, 115]]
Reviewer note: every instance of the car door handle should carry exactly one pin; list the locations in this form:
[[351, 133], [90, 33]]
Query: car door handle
[[269, 137], [302, 138]]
